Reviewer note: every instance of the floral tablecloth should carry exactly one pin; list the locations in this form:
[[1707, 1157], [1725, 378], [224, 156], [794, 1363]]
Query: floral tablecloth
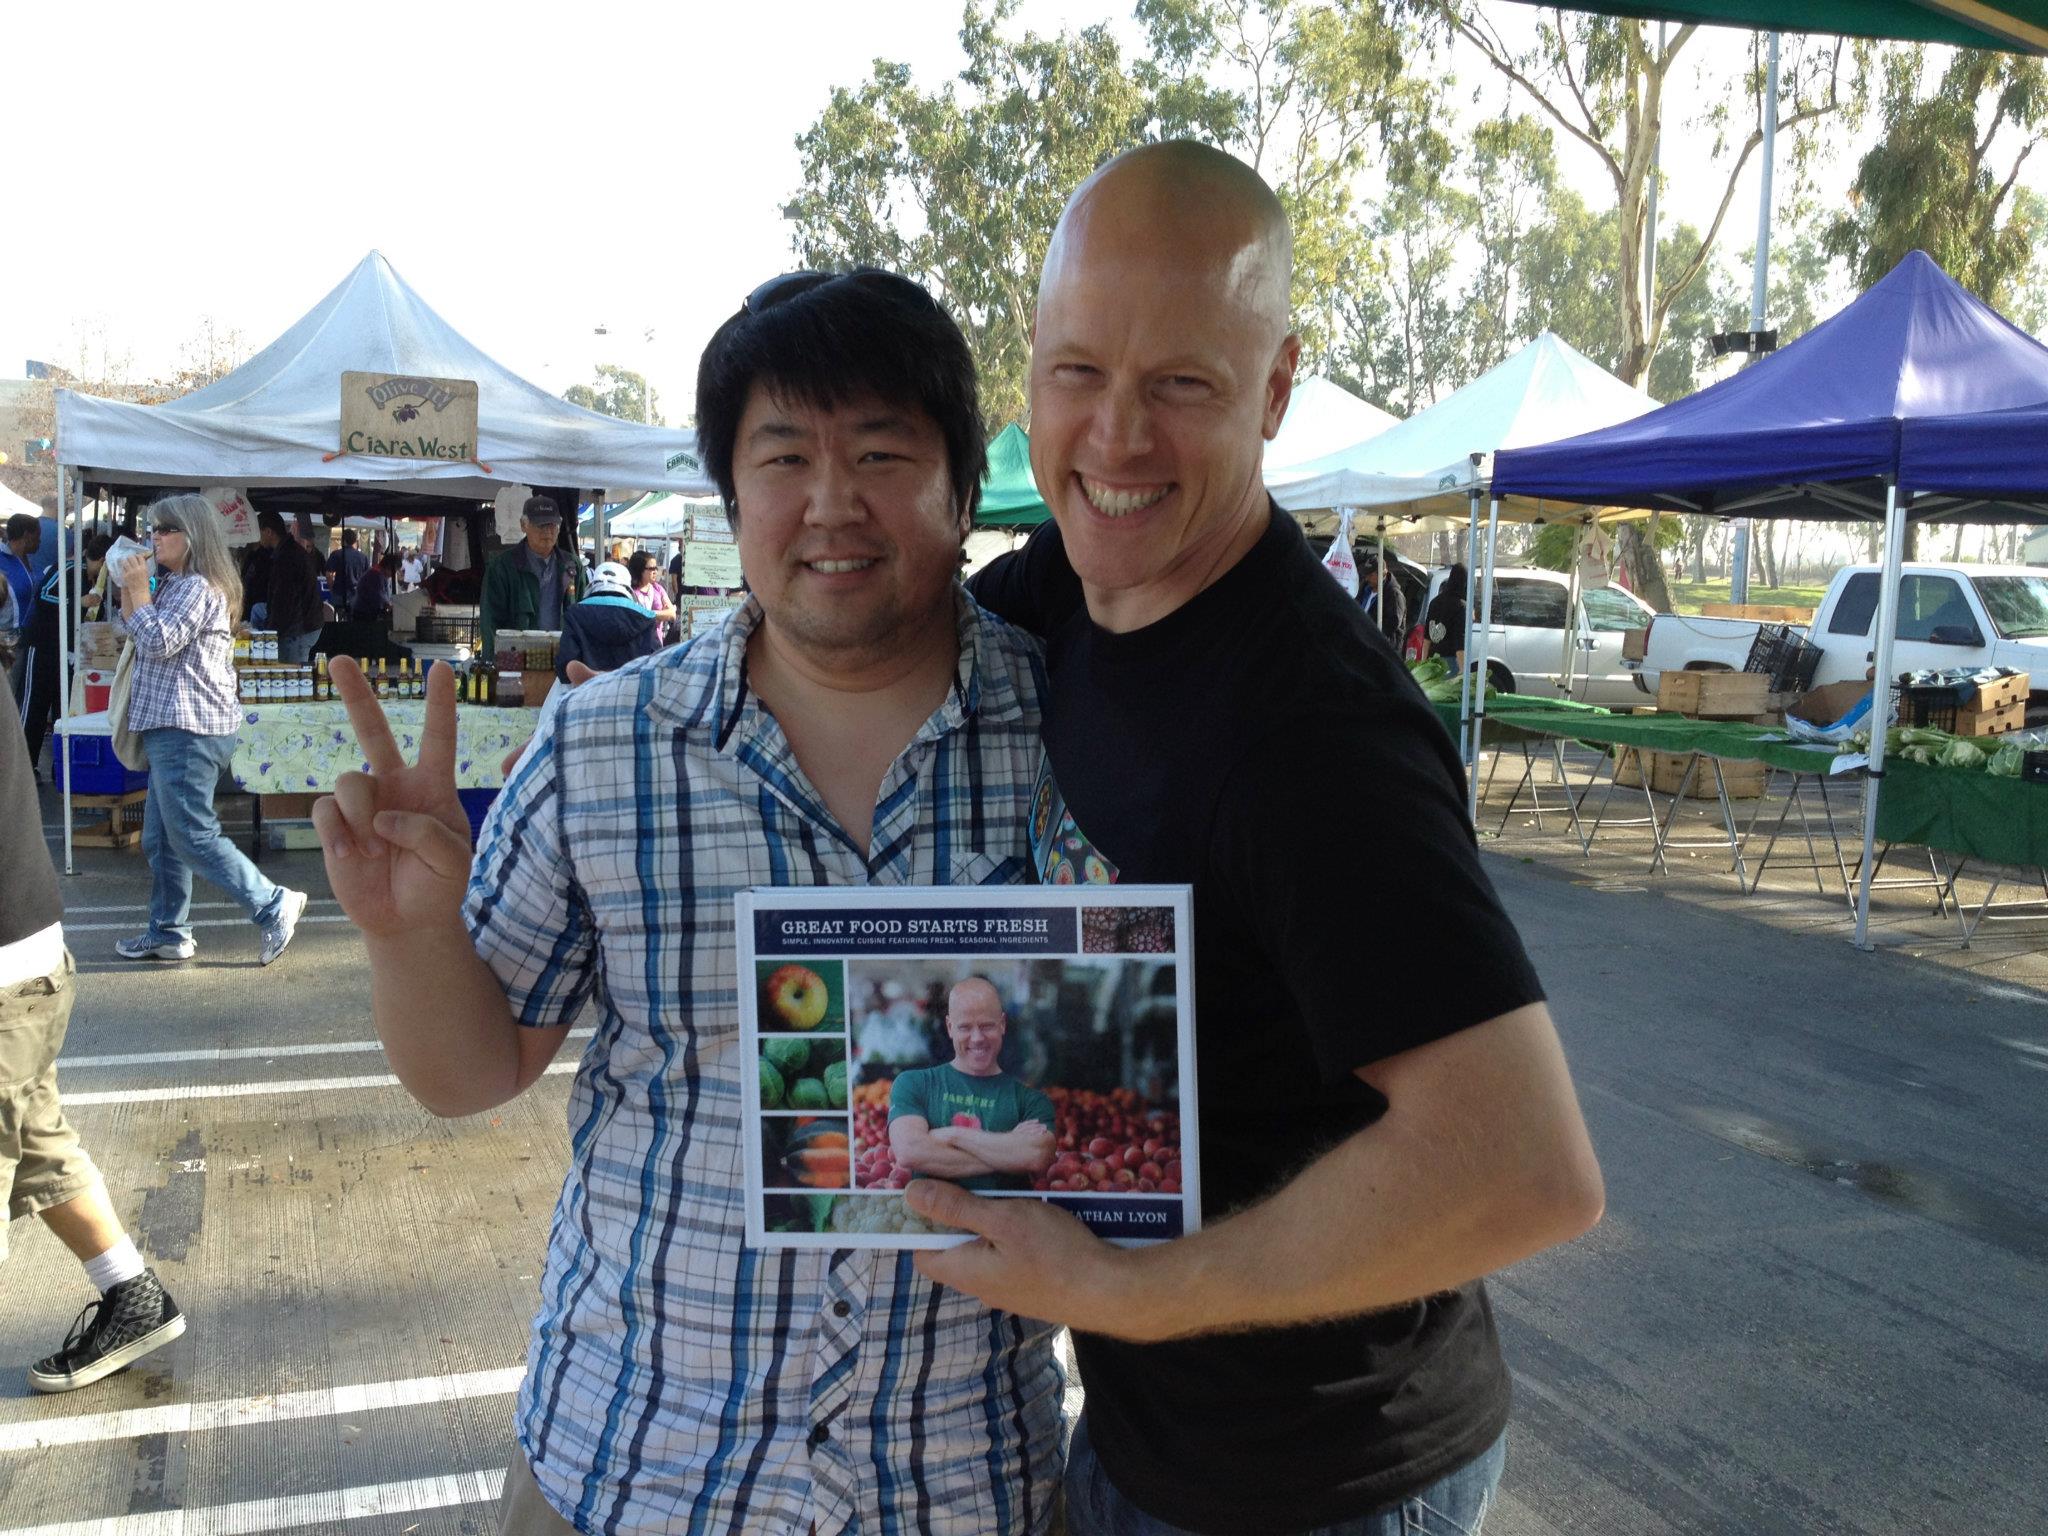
[[301, 749]]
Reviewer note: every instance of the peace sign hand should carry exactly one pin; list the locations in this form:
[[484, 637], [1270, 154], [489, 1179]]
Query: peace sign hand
[[396, 839]]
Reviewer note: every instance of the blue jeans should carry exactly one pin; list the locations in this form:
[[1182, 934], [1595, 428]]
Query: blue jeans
[[1456, 1505], [181, 835], [297, 649]]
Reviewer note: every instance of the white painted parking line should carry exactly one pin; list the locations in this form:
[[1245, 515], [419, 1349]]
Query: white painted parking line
[[271, 1408], [244, 1090], [2032, 1047], [71, 1064], [201, 922], [284, 1514], [197, 906]]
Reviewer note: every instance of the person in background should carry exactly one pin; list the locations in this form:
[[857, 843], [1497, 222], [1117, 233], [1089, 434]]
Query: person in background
[[608, 628], [289, 599], [651, 594], [1384, 602], [44, 1171], [1443, 621], [532, 584], [184, 708], [45, 671], [24, 536], [346, 566], [412, 570], [373, 592]]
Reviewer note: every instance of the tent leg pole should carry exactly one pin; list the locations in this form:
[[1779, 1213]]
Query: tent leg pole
[[1881, 696], [63, 742], [1485, 630], [1468, 743]]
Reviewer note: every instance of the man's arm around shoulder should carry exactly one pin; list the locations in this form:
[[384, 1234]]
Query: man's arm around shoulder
[[1481, 1160]]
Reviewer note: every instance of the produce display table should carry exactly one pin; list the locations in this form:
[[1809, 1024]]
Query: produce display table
[[302, 749], [1969, 815], [1707, 743]]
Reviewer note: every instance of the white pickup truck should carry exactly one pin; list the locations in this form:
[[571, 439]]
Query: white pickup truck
[[1949, 616]]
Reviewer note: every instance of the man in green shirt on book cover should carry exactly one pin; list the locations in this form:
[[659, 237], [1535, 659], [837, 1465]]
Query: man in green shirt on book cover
[[969, 1121]]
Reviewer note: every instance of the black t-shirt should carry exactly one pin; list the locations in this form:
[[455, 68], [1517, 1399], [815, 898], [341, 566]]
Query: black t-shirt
[[1264, 744]]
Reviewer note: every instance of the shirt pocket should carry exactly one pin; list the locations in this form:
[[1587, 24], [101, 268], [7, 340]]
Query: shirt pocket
[[988, 869]]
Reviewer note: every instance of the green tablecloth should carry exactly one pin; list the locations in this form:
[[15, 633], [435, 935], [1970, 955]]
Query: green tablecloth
[[1659, 733], [301, 749], [2004, 821]]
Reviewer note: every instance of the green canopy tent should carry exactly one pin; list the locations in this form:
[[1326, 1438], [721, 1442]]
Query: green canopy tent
[[2018, 26], [1009, 496]]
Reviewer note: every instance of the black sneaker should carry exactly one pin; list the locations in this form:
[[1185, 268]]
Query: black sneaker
[[111, 1334]]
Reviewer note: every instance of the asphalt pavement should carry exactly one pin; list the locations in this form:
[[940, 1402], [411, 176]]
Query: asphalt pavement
[[1815, 1304]]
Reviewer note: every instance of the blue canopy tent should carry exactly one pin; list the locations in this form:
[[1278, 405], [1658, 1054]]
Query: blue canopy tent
[[1816, 430]]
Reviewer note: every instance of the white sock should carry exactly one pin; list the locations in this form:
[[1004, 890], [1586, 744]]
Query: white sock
[[118, 1263]]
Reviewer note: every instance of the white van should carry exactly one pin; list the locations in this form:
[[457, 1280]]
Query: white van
[[1535, 621]]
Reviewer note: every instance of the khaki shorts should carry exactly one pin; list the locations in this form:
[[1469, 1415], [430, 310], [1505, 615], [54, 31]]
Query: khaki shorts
[[41, 1162]]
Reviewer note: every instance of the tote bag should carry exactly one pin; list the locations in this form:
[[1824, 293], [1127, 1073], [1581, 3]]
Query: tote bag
[[127, 745]]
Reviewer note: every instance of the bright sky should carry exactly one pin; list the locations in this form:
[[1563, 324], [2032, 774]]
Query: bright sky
[[531, 171]]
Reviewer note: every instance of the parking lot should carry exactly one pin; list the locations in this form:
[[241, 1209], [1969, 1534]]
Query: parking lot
[[1814, 1304]]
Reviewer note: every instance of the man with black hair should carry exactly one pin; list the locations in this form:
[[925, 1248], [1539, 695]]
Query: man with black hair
[[345, 568], [24, 536], [857, 722]]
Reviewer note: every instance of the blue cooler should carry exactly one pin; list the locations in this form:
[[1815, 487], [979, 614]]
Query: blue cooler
[[90, 767]]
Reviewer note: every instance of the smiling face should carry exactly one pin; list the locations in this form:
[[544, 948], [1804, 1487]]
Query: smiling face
[[1160, 366], [849, 532], [975, 1025]]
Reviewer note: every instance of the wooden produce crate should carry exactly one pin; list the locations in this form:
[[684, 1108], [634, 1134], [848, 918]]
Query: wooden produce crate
[[1993, 722], [109, 821], [1714, 695], [1745, 780]]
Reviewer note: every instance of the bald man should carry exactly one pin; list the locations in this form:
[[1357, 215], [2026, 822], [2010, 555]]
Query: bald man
[[970, 1121], [1321, 1356]]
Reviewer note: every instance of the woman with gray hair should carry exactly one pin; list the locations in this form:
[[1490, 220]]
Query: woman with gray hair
[[183, 707]]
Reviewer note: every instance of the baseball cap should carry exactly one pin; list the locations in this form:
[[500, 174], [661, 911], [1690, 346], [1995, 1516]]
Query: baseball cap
[[540, 509], [612, 579]]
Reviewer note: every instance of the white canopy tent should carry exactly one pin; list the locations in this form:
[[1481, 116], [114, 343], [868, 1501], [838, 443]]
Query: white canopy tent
[[663, 515], [1437, 465], [1323, 418], [275, 422]]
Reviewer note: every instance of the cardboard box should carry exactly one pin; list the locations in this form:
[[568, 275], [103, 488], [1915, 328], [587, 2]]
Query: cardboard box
[[1996, 696], [287, 836], [535, 686], [1714, 695], [288, 807], [1635, 644], [1763, 613], [1992, 722], [1828, 703]]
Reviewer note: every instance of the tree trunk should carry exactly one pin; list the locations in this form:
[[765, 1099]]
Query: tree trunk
[[1632, 546]]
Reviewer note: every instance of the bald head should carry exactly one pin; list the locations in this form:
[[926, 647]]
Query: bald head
[[975, 1024], [1183, 203]]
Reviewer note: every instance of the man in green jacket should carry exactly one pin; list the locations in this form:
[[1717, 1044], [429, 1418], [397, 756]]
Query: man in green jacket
[[529, 585]]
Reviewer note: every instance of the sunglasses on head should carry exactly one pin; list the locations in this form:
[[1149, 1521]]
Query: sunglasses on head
[[778, 289]]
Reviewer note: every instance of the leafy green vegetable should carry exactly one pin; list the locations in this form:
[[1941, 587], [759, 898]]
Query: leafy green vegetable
[[1962, 754], [2007, 761]]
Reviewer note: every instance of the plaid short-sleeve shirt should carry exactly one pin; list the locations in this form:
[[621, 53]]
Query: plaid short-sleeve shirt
[[677, 1379]]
